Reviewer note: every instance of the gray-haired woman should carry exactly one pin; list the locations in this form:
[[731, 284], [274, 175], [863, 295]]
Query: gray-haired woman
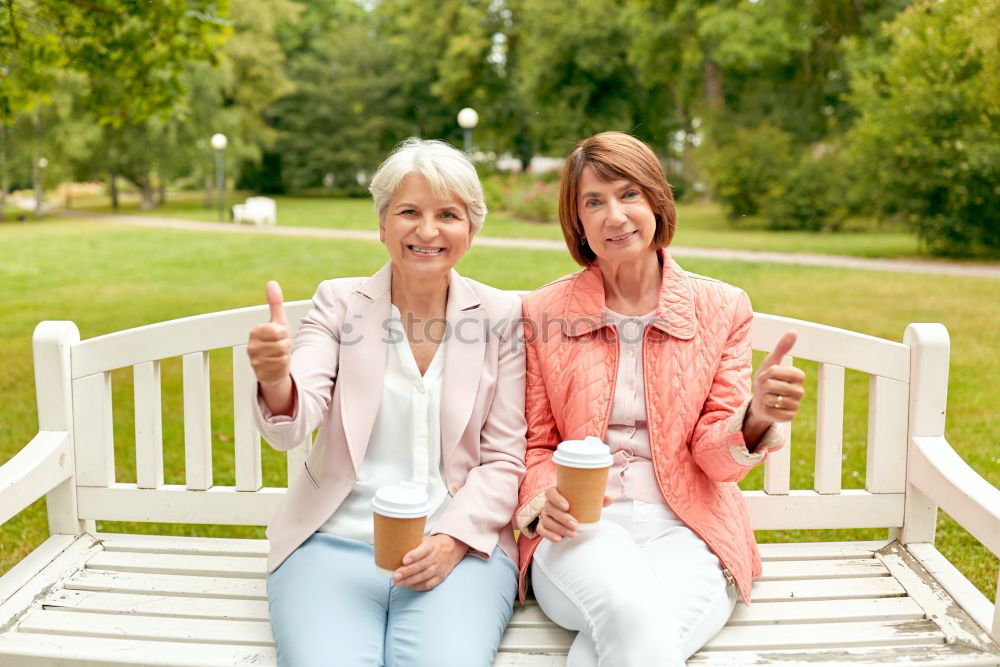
[[414, 373]]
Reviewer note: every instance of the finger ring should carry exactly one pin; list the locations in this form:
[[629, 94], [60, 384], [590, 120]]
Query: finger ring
[[777, 403]]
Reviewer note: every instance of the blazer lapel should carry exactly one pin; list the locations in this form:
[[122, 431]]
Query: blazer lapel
[[362, 360], [465, 348]]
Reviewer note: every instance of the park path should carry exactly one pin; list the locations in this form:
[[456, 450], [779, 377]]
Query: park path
[[808, 259]]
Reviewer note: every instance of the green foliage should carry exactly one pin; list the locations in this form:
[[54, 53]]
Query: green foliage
[[810, 196], [925, 143], [132, 54], [746, 164]]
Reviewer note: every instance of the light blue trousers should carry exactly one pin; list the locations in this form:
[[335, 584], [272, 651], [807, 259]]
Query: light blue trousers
[[330, 607]]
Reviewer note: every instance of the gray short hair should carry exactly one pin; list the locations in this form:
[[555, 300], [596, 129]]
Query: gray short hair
[[447, 170]]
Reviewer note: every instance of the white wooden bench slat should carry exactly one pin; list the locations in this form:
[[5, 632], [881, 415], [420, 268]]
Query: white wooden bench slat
[[953, 582], [175, 338], [241, 566], [778, 465], [112, 626], [792, 611], [944, 655], [829, 429], [148, 425], [197, 423], [168, 584], [38, 650], [93, 430], [171, 503], [826, 611], [826, 635], [887, 401], [206, 546], [99, 602], [198, 565], [806, 509], [246, 439], [224, 546], [830, 345]]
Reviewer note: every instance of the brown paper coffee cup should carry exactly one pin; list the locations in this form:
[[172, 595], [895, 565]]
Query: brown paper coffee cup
[[399, 513], [581, 476], [584, 489], [394, 538]]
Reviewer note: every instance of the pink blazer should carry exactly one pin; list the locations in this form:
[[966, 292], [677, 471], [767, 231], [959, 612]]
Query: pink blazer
[[338, 362]]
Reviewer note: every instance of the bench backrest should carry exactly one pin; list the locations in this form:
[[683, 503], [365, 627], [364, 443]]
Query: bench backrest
[[906, 397]]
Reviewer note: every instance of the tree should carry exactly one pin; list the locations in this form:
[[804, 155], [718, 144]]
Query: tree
[[925, 143]]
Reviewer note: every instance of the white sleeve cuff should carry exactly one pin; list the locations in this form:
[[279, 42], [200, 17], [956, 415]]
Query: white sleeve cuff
[[774, 438]]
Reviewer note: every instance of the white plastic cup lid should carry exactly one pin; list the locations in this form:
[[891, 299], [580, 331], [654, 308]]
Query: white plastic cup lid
[[587, 453], [405, 500]]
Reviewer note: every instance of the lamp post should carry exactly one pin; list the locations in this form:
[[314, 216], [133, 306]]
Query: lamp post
[[219, 143], [467, 120]]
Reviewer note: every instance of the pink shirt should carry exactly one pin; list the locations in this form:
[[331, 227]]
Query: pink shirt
[[631, 474]]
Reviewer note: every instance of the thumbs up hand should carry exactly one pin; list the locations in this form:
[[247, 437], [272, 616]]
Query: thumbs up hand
[[778, 389], [270, 345]]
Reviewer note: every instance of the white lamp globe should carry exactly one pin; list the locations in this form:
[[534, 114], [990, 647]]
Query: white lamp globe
[[219, 141], [468, 118]]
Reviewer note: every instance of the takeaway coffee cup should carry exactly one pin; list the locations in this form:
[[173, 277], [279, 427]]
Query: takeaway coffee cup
[[400, 513], [581, 476]]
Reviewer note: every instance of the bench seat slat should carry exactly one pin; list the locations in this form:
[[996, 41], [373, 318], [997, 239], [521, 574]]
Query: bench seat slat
[[950, 655], [529, 616], [209, 631], [832, 635], [43, 650], [204, 546], [224, 546], [158, 605], [169, 584], [206, 566], [237, 566]]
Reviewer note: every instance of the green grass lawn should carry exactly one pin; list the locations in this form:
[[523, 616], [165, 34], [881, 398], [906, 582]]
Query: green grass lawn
[[699, 225], [106, 278]]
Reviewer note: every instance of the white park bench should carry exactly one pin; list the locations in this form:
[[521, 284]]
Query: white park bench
[[258, 210], [84, 597]]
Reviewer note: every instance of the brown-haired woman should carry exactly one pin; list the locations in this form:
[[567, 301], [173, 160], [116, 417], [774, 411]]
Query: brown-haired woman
[[656, 361]]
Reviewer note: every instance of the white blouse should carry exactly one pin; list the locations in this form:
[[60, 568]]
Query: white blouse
[[405, 443]]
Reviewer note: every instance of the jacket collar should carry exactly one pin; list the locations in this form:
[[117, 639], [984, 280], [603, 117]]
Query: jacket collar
[[675, 307], [461, 296]]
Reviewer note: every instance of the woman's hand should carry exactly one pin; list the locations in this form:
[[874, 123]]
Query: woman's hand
[[555, 522], [777, 389], [430, 563], [270, 352]]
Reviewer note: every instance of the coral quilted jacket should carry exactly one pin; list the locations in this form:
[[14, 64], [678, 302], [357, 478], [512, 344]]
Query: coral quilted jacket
[[696, 374]]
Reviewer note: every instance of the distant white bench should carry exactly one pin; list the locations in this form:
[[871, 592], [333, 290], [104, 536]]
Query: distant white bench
[[84, 597], [258, 210]]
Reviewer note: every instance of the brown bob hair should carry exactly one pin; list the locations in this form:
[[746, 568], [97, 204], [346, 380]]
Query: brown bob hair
[[614, 156]]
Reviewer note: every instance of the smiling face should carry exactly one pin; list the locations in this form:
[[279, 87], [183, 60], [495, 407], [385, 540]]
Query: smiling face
[[618, 222], [425, 234]]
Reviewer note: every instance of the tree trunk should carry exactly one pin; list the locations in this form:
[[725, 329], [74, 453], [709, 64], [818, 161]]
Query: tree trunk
[[146, 186], [713, 84], [161, 193], [114, 190]]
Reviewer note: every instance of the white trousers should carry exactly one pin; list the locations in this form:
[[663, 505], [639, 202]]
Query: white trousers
[[641, 588]]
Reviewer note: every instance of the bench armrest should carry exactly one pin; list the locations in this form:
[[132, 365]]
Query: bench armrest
[[41, 466], [941, 474]]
